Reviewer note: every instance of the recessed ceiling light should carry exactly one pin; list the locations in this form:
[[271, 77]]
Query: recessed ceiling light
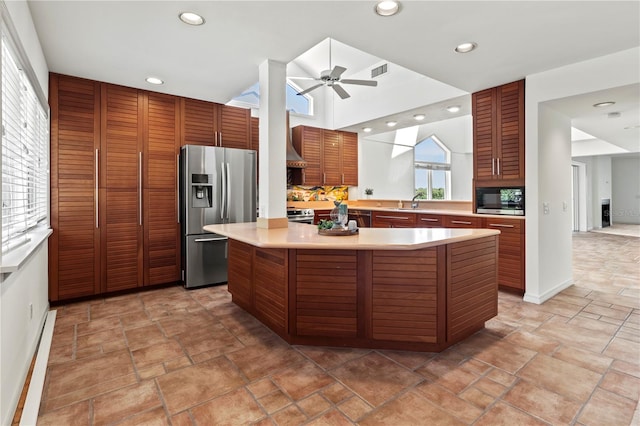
[[637, 126], [387, 7], [191, 18], [366, 129], [615, 114], [466, 47], [419, 117], [391, 123], [604, 104], [154, 80], [453, 108]]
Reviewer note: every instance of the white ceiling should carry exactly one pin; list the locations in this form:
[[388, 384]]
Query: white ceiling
[[125, 41]]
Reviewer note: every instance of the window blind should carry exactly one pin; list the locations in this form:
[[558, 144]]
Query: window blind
[[25, 136]]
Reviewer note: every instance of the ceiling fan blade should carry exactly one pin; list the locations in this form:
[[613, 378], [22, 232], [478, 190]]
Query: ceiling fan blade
[[303, 78], [304, 92], [360, 82], [336, 72], [340, 91]]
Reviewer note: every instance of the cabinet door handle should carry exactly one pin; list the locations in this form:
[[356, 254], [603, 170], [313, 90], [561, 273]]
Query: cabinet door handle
[[343, 178], [220, 139], [324, 178], [493, 166], [97, 188], [140, 187], [500, 225], [393, 217], [429, 220], [461, 222], [304, 177], [498, 161], [178, 188], [206, 240]]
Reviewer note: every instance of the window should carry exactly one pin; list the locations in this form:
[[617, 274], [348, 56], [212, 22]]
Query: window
[[25, 142], [295, 103], [432, 161]]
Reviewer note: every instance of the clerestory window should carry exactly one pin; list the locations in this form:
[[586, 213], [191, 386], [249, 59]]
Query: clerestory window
[[299, 104], [432, 162]]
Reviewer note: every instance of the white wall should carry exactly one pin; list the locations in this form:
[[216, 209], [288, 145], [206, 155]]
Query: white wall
[[390, 177], [615, 70], [625, 195], [554, 185], [29, 285]]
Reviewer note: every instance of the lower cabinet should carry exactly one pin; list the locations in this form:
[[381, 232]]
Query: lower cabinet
[[424, 220], [382, 219], [319, 215], [451, 221], [511, 259]]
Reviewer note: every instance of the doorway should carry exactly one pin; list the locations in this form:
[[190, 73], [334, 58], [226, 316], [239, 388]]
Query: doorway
[[579, 196]]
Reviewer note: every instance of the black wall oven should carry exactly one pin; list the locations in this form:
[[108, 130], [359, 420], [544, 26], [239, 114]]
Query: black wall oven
[[506, 201]]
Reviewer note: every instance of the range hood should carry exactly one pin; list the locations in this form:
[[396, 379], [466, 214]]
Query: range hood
[[294, 160]]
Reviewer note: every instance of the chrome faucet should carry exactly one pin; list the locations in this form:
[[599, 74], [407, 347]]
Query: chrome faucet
[[414, 203]]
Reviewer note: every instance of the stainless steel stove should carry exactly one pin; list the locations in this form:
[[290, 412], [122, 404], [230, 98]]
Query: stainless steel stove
[[300, 215]]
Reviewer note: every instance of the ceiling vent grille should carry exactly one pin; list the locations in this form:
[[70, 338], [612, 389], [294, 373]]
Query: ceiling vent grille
[[379, 70]]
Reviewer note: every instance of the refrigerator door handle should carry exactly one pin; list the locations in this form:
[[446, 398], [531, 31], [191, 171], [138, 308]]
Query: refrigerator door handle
[[228, 189], [223, 199], [204, 240], [178, 188]]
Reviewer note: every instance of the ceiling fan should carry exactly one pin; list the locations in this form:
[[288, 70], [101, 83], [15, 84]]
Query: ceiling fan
[[332, 79]]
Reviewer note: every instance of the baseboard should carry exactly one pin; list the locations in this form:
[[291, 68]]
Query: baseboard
[[540, 299], [34, 394]]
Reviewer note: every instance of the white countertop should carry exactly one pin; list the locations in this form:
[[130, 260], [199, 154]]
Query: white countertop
[[303, 236], [436, 211]]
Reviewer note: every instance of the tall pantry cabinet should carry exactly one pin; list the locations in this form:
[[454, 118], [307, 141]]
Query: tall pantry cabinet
[[113, 188]]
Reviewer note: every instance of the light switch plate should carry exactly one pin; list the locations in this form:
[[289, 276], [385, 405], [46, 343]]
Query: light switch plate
[[545, 208]]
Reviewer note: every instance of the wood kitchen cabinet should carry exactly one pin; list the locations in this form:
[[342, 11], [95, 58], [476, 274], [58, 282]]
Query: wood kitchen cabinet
[[74, 246], [383, 219], [113, 188], [212, 124], [498, 135], [331, 156], [511, 265], [452, 221], [319, 215], [255, 142], [426, 220]]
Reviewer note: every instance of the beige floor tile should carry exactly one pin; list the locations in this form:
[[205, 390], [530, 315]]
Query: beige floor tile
[[449, 402], [290, 416], [411, 360], [314, 405], [586, 359], [234, 408], [122, 403], [477, 397], [77, 414], [624, 350], [606, 408], [354, 408], [504, 415], [302, 379], [374, 378], [257, 361], [549, 406], [329, 358], [621, 384], [331, 418], [154, 417], [188, 387], [98, 325], [410, 409], [506, 356], [143, 337], [274, 402], [561, 377], [182, 419], [262, 387]]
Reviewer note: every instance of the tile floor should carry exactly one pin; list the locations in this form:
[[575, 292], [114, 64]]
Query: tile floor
[[180, 357]]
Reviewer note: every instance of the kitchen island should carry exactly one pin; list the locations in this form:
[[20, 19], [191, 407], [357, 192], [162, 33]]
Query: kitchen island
[[411, 289]]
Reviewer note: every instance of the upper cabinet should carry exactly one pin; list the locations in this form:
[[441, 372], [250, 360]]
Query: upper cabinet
[[331, 156], [212, 124], [498, 135]]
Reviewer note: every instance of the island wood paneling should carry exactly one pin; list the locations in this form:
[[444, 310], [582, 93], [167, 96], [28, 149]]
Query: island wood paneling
[[405, 295], [271, 288], [240, 275], [472, 285], [74, 246], [326, 293]]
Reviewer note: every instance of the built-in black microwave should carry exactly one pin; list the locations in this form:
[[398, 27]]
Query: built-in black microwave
[[508, 201]]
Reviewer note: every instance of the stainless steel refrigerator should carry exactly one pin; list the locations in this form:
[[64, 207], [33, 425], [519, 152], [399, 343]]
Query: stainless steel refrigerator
[[217, 185]]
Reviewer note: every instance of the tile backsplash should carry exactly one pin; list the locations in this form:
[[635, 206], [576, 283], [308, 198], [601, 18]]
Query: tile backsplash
[[317, 193]]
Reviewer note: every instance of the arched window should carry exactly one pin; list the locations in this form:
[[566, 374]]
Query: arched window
[[432, 161], [295, 103]]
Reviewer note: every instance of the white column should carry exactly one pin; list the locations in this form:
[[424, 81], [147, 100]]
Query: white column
[[273, 162]]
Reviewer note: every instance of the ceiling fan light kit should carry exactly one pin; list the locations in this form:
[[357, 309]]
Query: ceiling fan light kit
[[332, 78], [387, 7]]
